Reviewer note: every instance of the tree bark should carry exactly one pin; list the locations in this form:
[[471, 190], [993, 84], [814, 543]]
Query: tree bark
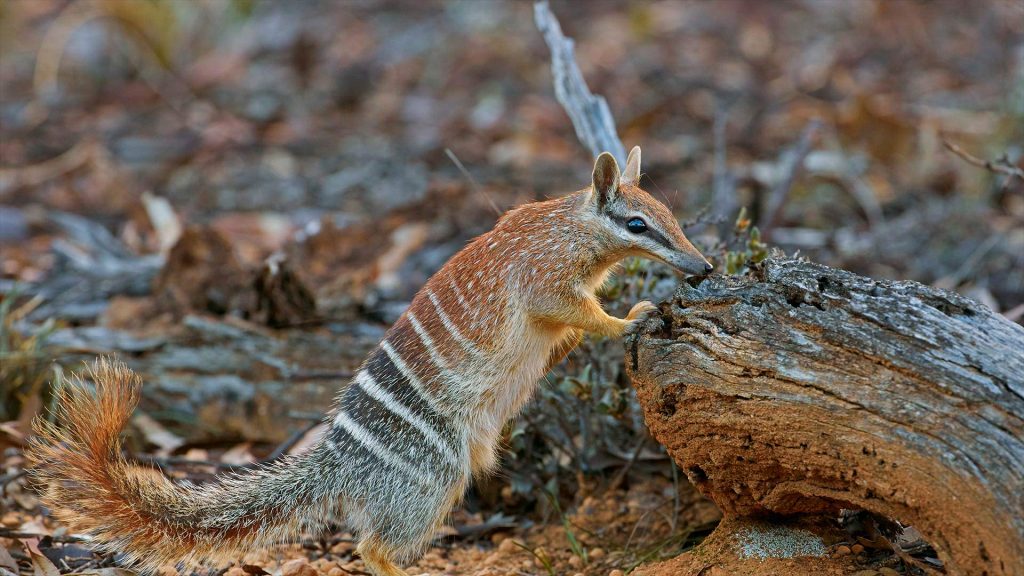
[[801, 389]]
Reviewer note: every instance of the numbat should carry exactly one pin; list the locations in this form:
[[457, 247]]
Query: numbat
[[422, 416]]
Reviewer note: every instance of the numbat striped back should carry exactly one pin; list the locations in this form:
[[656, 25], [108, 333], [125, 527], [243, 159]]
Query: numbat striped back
[[422, 416]]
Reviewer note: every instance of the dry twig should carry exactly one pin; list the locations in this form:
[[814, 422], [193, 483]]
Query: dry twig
[[81, 154], [621, 474], [792, 161], [1000, 166], [723, 190], [590, 114]]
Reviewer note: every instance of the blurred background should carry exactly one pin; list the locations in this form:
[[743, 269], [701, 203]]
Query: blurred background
[[237, 197]]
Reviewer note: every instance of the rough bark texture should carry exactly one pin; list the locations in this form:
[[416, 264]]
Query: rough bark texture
[[801, 389], [217, 379]]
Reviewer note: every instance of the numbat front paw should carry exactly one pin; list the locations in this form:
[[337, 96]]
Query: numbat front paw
[[641, 311]]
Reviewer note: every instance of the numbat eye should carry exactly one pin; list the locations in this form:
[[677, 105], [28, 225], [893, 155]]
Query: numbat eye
[[636, 225]]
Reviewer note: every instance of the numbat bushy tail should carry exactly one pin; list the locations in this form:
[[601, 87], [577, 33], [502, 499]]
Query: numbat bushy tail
[[422, 416]]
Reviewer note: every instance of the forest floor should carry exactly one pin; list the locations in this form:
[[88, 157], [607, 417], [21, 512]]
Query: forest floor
[[616, 531], [238, 198]]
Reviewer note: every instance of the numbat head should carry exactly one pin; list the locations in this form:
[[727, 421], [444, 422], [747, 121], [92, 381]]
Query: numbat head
[[633, 222], [422, 416]]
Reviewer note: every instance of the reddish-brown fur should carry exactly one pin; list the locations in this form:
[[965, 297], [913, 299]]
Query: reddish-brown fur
[[86, 479], [477, 338]]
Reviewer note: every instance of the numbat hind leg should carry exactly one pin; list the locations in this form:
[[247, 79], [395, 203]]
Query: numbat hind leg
[[378, 558]]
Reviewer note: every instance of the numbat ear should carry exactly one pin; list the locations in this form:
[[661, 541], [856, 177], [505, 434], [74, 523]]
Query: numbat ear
[[606, 179], [632, 173]]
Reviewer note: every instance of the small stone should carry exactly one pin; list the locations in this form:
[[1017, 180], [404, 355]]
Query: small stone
[[540, 554], [336, 571], [499, 537], [324, 565], [298, 567], [597, 553], [343, 548], [857, 548], [575, 562], [433, 556], [616, 573], [510, 546], [843, 550]]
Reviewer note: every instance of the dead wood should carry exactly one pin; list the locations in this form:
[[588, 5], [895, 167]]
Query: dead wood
[[282, 299], [590, 114], [801, 389], [213, 379], [792, 161], [91, 266], [203, 274]]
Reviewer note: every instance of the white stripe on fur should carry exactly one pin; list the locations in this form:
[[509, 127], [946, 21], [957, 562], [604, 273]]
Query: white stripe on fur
[[365, 381]]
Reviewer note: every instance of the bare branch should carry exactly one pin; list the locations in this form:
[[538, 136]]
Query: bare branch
[[1001, 166], [792, 161], [723, 190], [595, 127]]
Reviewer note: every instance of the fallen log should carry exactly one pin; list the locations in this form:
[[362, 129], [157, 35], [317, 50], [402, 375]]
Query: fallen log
[[212, 380], [801, 390]]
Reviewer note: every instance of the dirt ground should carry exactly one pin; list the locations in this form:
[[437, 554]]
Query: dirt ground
[[614, 532], [159, 158]]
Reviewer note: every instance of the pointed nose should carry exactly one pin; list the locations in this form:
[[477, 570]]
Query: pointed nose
[[688, 264]]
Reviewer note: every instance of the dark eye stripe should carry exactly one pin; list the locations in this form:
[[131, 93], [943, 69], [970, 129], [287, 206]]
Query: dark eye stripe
[[651, 233]]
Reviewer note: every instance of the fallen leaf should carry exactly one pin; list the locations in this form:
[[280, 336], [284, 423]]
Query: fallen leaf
[[41, 565], [11, 429], [7, 562], [164, 220], [25, 498], [239, 455], [35, 526], [308, 439], [156, 434]]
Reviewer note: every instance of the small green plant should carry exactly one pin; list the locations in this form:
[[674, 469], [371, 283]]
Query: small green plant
[[541, 556], [750, 249], [574, 543], [24, 359], [671, 546]]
